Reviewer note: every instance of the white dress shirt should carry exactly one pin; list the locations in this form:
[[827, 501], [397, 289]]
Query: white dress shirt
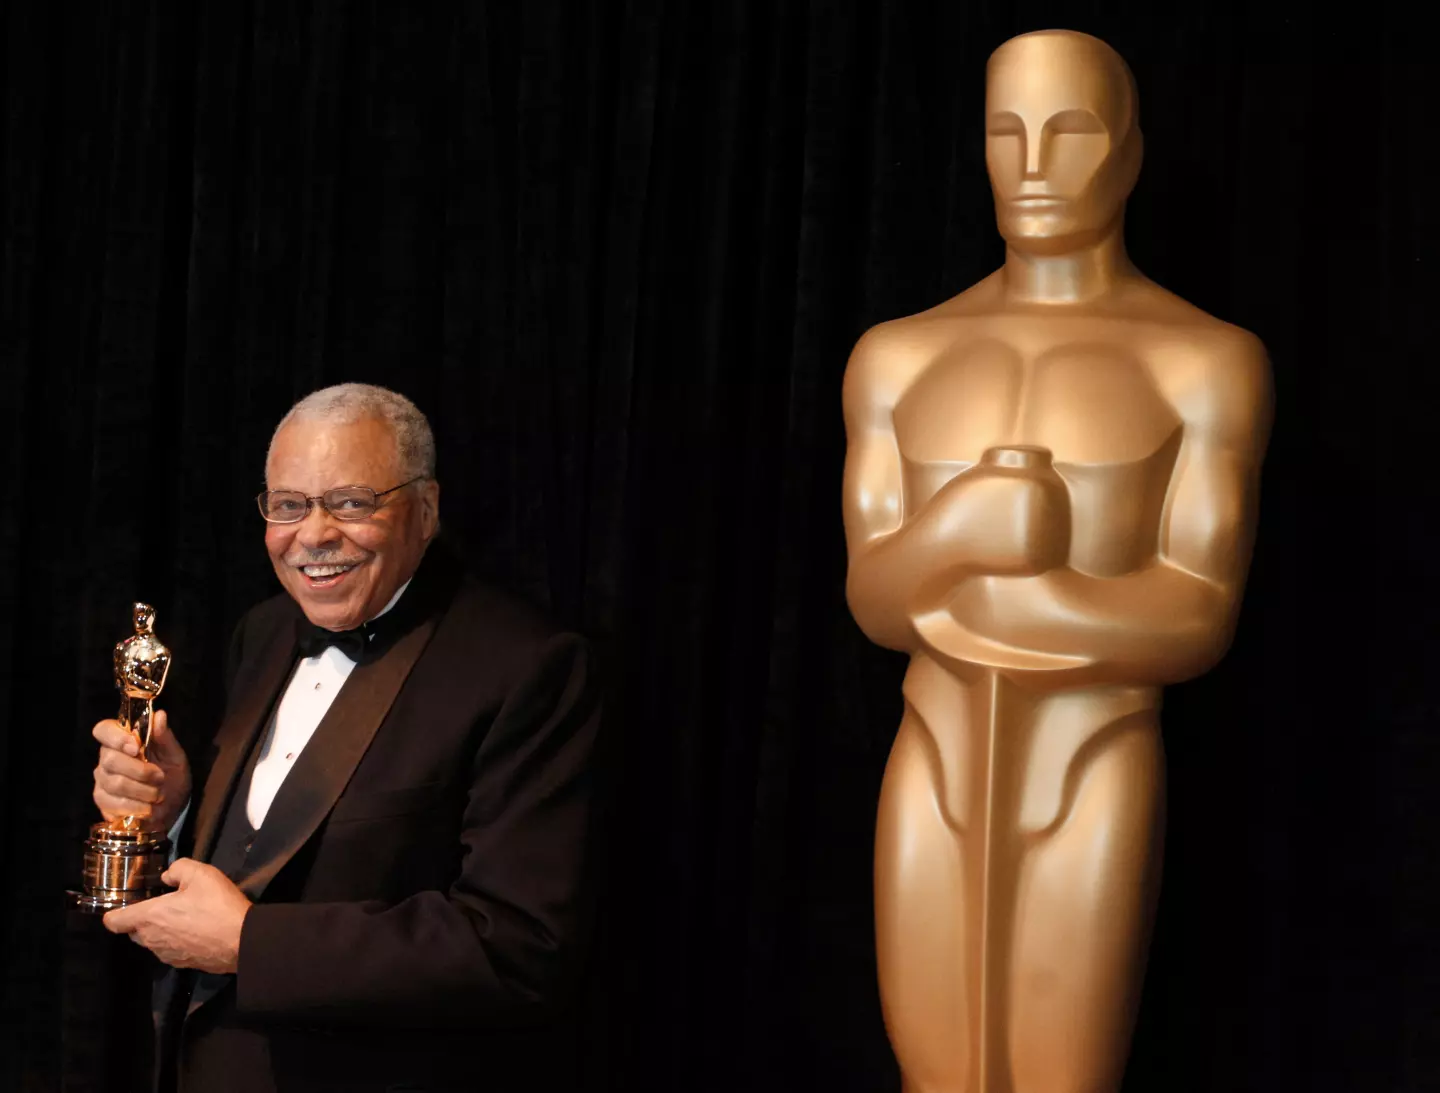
[[312, 688]]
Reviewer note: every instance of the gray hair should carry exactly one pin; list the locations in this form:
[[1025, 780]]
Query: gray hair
[[348, 403]]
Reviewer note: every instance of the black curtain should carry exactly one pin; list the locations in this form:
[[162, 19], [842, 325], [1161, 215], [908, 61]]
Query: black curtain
[[619, 253]]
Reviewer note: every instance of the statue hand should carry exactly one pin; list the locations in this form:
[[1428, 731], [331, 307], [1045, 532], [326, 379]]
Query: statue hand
[[126, 785], [1001, 521]]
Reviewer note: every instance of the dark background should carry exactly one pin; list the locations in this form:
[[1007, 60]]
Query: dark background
[[619, 253]]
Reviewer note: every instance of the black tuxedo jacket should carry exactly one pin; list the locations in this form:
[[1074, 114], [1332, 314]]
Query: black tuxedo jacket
[[421, 880]]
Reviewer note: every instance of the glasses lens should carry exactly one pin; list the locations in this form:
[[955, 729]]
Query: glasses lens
[[282, 506], [354, 503]]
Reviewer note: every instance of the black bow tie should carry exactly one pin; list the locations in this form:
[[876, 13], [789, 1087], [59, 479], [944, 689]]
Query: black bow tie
[[315, 639]]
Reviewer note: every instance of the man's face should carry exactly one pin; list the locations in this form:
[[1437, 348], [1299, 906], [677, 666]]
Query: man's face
[[1055, 121], [376, 555]]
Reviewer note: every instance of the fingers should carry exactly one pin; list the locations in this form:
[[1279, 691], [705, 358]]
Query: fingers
[[182, 872], [119, 794], [124, 784], [119, 765], [137, 916], [114, 736], [115, 808], [122, 920], [164, 748], [130, 779], [160, 731]]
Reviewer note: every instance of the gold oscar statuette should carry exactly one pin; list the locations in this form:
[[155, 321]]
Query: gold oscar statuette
[[124, 857]]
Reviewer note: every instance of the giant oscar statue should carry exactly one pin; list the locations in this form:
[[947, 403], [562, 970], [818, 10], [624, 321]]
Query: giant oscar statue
[[1050, 499]]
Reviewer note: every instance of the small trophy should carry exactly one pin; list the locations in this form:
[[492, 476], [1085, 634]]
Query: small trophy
[[124, 857]]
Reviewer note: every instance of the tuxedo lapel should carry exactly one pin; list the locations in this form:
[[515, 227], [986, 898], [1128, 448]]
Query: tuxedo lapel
[[330, 757], [237, 736]]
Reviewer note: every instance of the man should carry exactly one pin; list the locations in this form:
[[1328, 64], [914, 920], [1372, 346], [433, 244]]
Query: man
[[386, 881]]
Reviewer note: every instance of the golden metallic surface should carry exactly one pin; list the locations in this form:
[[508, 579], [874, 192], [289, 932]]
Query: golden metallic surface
[[1050, 497], [125, 857], [121, 867], [141, 665]]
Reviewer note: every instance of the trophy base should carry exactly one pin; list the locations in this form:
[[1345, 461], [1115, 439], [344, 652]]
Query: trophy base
[[122, 866], [96, 903]]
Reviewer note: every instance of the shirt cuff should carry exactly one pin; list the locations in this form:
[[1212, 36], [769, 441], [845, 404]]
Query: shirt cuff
[[175, 829]]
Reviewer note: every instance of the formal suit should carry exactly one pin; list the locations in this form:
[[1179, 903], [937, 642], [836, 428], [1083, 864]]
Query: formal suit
[[421, 879]]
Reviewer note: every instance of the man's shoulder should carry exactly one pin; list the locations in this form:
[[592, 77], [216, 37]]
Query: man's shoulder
[[501, 639], [488, 612]]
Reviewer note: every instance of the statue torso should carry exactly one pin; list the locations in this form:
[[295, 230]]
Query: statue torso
[[141, 663], [1097, 391], [1092, 402]]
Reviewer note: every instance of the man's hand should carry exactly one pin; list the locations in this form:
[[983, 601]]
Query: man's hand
[[197, 926], [125, 785]]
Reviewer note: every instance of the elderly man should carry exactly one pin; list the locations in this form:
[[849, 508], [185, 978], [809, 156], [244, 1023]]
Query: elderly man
[[386, 880]]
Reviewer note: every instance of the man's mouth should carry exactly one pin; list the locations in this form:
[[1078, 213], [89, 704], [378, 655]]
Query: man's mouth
[[326, 576]]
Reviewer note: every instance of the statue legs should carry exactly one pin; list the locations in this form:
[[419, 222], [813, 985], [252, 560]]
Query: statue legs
[[926, 966], [1083, 920], [1017, 861]]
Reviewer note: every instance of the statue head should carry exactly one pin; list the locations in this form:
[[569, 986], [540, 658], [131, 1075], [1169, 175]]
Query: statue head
[[1062, 139], [144, 616]]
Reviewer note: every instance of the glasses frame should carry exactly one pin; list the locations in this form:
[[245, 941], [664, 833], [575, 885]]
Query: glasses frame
[[310, 502]]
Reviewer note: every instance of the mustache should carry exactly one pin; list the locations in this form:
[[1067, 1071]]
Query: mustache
[[321, 557]]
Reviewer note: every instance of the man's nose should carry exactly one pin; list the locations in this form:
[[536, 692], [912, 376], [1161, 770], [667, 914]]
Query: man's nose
[[318, 529]]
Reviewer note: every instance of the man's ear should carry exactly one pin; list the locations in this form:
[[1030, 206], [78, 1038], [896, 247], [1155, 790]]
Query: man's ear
[[429, 508]]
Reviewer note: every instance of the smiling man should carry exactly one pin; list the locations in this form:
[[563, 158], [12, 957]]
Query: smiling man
[[346, 571], [385, 880]]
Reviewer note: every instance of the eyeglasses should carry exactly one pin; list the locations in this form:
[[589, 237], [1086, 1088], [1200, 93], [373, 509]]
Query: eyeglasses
[[345, 503]]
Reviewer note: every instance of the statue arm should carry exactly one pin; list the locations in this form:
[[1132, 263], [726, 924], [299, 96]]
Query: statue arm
[[886, 556], [1173, 619], [904, 562]]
